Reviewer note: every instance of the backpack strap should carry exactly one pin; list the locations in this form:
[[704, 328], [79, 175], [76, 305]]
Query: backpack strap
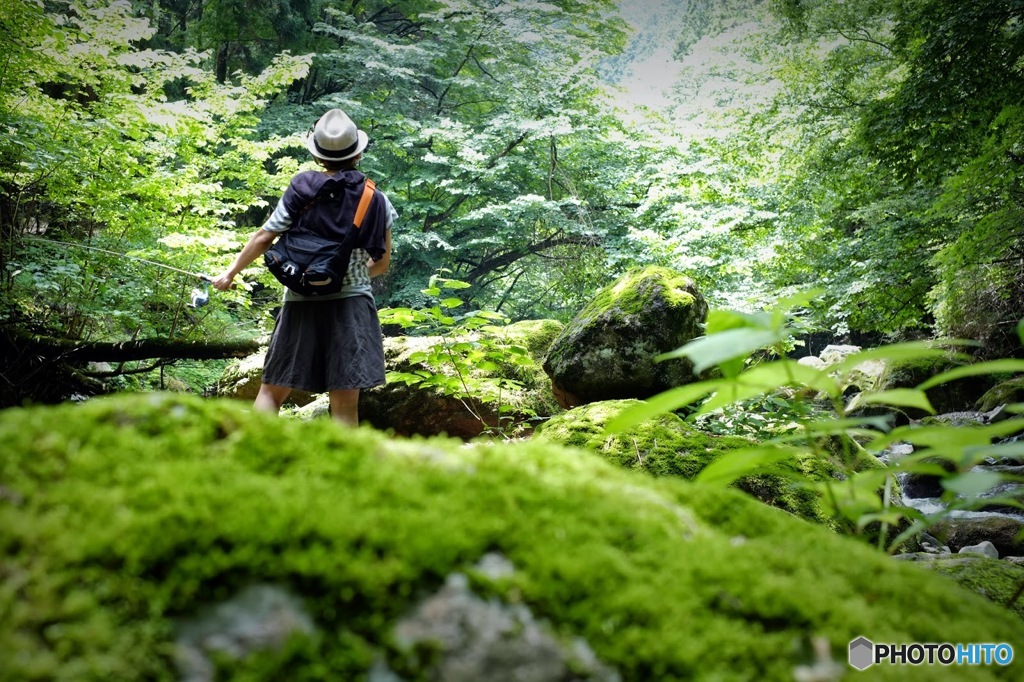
[[364, 202]]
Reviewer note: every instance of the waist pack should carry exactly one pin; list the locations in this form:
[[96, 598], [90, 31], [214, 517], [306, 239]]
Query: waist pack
[[310, 264]]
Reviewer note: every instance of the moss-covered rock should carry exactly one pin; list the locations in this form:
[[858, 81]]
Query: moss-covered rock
[[534, 335], [427, 410], [241, 380], [1003, 393], [995, 580], [122, 518], [661, 446], [667, 446], [1005, 532], [607, 351], [952, 396]]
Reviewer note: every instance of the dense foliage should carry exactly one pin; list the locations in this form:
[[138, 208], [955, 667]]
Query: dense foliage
[[869, 148]]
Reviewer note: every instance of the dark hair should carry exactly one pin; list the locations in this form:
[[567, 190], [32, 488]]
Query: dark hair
[[347, 164]]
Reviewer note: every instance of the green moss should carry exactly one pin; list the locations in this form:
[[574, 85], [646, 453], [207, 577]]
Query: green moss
[[120, 515], [951, 396], [662, 446], [534, 335], [634, 292], [1004, 393], [668, 446], [995, 580]]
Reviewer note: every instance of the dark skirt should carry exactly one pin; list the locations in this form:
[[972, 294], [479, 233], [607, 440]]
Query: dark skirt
[[320, 346]]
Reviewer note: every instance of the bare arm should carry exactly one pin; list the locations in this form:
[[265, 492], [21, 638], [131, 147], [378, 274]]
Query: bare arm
[[257, 245], [379, 267]]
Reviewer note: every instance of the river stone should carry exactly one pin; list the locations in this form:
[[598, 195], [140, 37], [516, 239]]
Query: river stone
[[1002, 531], [812, 361], [949, 397], [608, 350], [985, 548], [1005, 392], [138, 509], [922, 486], [834, 353]]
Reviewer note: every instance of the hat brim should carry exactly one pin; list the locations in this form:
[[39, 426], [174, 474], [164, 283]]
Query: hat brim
[[361, 141]]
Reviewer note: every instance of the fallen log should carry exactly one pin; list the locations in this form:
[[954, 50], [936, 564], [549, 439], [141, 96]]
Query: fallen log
[[73, 351]]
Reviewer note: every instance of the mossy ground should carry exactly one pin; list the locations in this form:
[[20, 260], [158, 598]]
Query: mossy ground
[[667, 446], [996, 580], [120, 515]]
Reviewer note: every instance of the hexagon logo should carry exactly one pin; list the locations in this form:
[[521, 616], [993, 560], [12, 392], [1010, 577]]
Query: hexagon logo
[[862, 653]]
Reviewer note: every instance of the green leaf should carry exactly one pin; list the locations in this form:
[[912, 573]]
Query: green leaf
[[451, 302], [791, 373], [972, 483], [740, 463], [455, 284], [432, 291], [948, 439], [667, 401], [708, 351], [719, 321], [991, 367]]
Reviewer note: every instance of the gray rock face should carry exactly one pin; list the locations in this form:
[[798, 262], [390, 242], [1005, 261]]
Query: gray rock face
[[478, 639], [259, 617], [607, 351]]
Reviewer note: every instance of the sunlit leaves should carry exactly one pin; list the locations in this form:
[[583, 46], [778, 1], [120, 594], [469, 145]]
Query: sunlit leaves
[[128, 145], [789, 405]]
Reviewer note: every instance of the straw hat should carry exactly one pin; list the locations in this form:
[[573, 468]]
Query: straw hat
[[334, 137]]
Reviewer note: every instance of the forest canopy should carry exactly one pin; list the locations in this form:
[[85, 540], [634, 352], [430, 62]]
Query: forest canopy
[[872, 150]]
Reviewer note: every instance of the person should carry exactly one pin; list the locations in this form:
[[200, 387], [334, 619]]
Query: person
[[333, 342]]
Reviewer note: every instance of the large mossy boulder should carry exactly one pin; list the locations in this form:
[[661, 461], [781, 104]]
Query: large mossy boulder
[[666, 445], [133, 528], [426, 410], [952, 396], [607, 351], [241, 380], [1004, 393]]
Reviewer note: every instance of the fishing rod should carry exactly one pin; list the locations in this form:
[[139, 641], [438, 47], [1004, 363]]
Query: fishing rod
[[205, 278], [199, 298]]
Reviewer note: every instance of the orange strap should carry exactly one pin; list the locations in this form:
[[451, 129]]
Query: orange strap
[[364, 202]]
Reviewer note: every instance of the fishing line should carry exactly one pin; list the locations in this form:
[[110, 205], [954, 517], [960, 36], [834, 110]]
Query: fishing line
[[205, 278], [199, 297]]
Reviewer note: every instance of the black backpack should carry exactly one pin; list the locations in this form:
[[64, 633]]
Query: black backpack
[[308, 263]]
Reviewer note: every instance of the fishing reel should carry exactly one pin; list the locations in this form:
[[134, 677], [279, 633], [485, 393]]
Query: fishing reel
[[201, 296]]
